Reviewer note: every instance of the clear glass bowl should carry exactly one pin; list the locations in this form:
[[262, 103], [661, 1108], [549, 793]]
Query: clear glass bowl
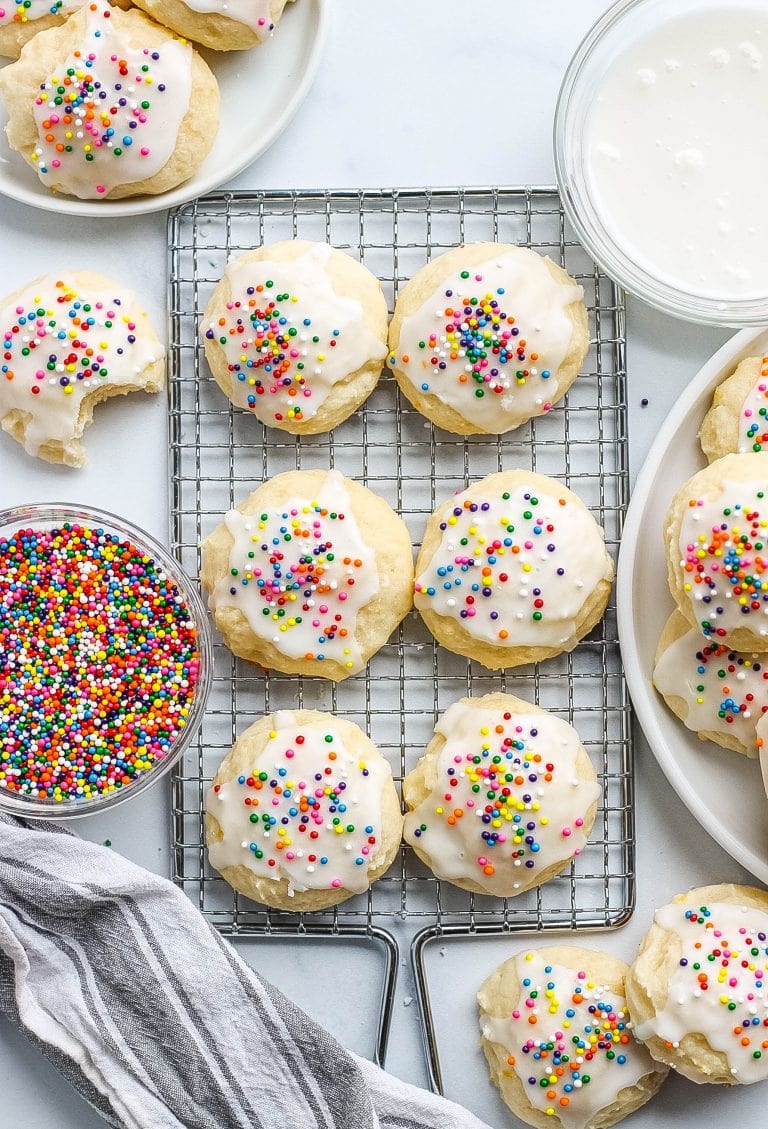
[[613, 33], [50, 516]]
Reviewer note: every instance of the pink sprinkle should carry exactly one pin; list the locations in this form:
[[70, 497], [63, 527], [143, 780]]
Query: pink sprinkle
[[100, 189], [336, 883], [144, 151]]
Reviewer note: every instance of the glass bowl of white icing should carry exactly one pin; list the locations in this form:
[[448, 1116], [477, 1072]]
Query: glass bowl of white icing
[[660, 154]]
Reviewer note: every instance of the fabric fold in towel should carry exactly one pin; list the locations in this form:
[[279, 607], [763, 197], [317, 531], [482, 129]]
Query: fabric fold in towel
[[140, 1004]]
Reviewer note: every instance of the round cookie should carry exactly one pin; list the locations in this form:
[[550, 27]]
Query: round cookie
[[310, 575], [697, 991], [302, 813], [558, 1039], [718, 693], [487, 336], [110, 105], [512, 570], [737, 422], [296, 333], [222, 25], [532, 812], [70, 341], [716, 553], [20, 20]]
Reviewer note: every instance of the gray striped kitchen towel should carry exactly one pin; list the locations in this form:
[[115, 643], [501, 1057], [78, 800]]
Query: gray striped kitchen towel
[[119, 981]]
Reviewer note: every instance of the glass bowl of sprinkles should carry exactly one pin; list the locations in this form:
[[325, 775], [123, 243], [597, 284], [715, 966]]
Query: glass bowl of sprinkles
[[106, 661]]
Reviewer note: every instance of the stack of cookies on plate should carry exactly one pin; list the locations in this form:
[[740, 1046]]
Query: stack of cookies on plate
[[712, 659]]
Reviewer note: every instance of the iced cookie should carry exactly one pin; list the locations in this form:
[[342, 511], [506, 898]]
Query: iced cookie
[[222, 25], [737, 422], [20, 20], [70, 341], [718, 693], [698, 992], [717, 555], [503, 798], [296, 334], [512, 570], [302, 813], [310, 575], [110, 105], [559, 1041], [487, 336]]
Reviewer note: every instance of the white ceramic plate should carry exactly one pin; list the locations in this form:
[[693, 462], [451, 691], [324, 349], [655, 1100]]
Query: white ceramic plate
[[723, 790], [261, 90]]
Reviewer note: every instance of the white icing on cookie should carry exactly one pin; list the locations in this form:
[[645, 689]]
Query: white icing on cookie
[[508, 801], [309, 811], [726, 692], [254, 14], [569, 1042], [724, 558], [718, 988], [288, 337], [300, 572], [515, 570], [60, 343], [115, 118], [753, 419], [31, 10], [490, 340]]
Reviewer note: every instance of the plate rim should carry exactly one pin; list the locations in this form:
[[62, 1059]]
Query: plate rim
[[184, 193], [644, 699]]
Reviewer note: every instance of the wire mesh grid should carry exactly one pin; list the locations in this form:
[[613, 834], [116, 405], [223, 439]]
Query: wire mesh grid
[[219, 454]]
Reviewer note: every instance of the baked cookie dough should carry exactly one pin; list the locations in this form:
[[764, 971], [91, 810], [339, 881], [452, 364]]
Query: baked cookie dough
[[512, 570], [110, 105], [310, 575], [559, 1041], [737, 422], [69, 341], [698, 990], [20, 20], [503, 798], [296, 333], [718, 693], [222, 25], [302, 813], [487, 336], [717, 555]]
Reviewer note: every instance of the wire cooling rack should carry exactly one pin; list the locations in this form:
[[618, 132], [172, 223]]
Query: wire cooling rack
[[219, 454]]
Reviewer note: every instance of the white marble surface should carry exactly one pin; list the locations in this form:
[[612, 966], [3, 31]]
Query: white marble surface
[[408, 94]]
